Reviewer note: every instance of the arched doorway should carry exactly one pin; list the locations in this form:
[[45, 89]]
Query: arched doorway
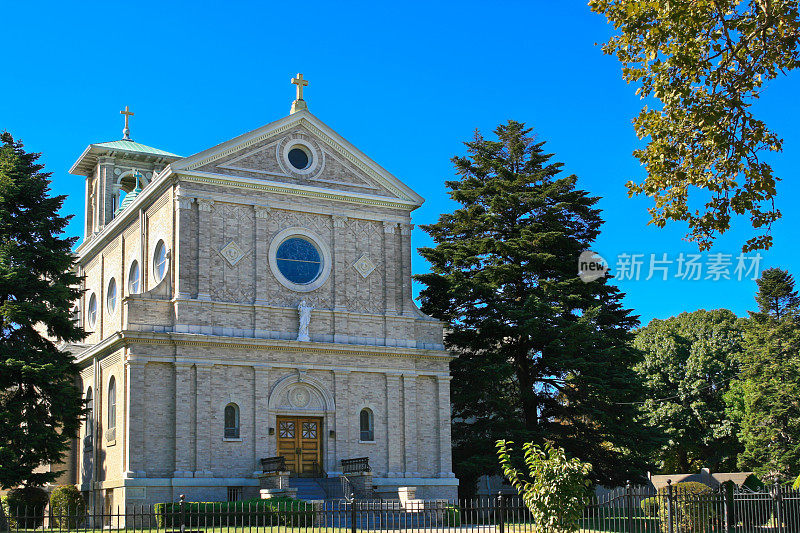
[[303, 409]]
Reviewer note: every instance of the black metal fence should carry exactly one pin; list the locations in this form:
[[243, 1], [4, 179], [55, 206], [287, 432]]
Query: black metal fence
[[625, 510]]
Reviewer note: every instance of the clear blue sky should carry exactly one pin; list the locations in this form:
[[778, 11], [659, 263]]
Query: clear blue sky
[[406, 82]]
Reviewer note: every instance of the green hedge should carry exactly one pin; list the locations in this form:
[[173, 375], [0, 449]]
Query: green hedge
[[24, 508], [650, 506], [271, 512], [691, 507], [452, 516], [67, 508]]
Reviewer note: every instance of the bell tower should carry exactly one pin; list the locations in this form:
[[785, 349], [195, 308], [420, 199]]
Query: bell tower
[[114, 171]]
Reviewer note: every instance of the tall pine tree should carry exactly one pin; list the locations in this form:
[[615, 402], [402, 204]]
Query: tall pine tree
[[541, 355], [40, 404], [765, 400]]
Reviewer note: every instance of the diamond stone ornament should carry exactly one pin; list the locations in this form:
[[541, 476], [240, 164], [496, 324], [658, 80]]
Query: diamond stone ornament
[[364, 266], [232, 253]]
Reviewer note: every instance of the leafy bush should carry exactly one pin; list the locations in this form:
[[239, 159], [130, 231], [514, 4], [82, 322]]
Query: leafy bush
[[24, 508], [691, 507], [67, 507], [452, 516], [650, 506], [553, 488], [272, 512]]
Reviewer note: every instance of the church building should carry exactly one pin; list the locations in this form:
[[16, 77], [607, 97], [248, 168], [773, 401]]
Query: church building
[[253, 301]]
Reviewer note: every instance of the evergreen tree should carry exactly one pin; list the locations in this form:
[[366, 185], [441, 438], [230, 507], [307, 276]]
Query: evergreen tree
[[541, 355], [688, 364], [765, 400], [40, 403], [776, 294]]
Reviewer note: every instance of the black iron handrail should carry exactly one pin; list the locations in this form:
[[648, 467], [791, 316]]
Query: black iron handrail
[[356, 465], [273, 464]]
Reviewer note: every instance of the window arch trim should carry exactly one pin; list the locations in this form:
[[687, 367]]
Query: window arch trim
[[366, 425], [231, 420]]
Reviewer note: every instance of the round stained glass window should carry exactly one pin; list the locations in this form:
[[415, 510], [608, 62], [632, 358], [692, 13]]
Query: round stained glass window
[[299, 158], [298, 260]]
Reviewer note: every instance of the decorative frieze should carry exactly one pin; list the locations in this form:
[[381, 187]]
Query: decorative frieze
[[339, 221]]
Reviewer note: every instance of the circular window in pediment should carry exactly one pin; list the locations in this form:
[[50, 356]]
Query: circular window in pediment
[[299, 158]]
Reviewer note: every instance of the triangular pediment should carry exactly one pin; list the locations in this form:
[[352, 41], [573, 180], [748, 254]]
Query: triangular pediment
[[333, 164]]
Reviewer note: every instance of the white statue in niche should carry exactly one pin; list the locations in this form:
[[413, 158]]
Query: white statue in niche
[[305, 319]]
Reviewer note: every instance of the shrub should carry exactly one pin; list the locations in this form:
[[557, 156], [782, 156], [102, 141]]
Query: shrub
[[650, 506], [67, 508], [24, 508], [553, 488], [452, 516], [282, 511], [691, 508]]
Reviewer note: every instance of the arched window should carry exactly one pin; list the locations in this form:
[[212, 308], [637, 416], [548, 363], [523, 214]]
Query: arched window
[[112, 403], [111, 296], [133, 278], [367, 425], [160, 261], [91, 310], [231, 421], [89, 414]]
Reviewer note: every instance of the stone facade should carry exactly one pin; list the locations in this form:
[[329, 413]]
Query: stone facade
[[215, 322]]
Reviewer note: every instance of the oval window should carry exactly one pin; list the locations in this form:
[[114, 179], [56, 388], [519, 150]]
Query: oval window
[[91, 310], [133, 278], [160, 261], [299, 260], [111, 296]]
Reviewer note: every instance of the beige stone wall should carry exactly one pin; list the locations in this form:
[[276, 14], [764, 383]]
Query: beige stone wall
[[213, 333]]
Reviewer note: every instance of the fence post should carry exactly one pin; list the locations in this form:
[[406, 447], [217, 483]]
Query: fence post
[[183, 513], [730, 518], [778, 509], [670, 524], [353, 515], [501, 507], [629, 505]]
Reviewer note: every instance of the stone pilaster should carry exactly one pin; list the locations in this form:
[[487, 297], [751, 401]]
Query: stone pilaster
[[340, 272], [261, 386], [202, 440], [394, 449], [184, 407], [185, 241], [445, 450], [204, 251], [135, 460], [262, 214], [389, 261], [410, 424], [405, 252], [342, 427]]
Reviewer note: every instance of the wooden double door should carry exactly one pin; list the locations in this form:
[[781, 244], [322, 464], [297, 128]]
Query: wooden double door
[[300, 442]]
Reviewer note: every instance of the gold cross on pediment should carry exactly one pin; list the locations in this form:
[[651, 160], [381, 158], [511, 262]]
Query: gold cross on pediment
[[300, 82]]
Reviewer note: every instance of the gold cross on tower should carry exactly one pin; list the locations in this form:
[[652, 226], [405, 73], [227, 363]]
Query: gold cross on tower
[[299, 103], [126, 132]]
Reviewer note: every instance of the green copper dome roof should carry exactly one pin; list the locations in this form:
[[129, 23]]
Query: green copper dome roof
[[129, 198], [131, 146]]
